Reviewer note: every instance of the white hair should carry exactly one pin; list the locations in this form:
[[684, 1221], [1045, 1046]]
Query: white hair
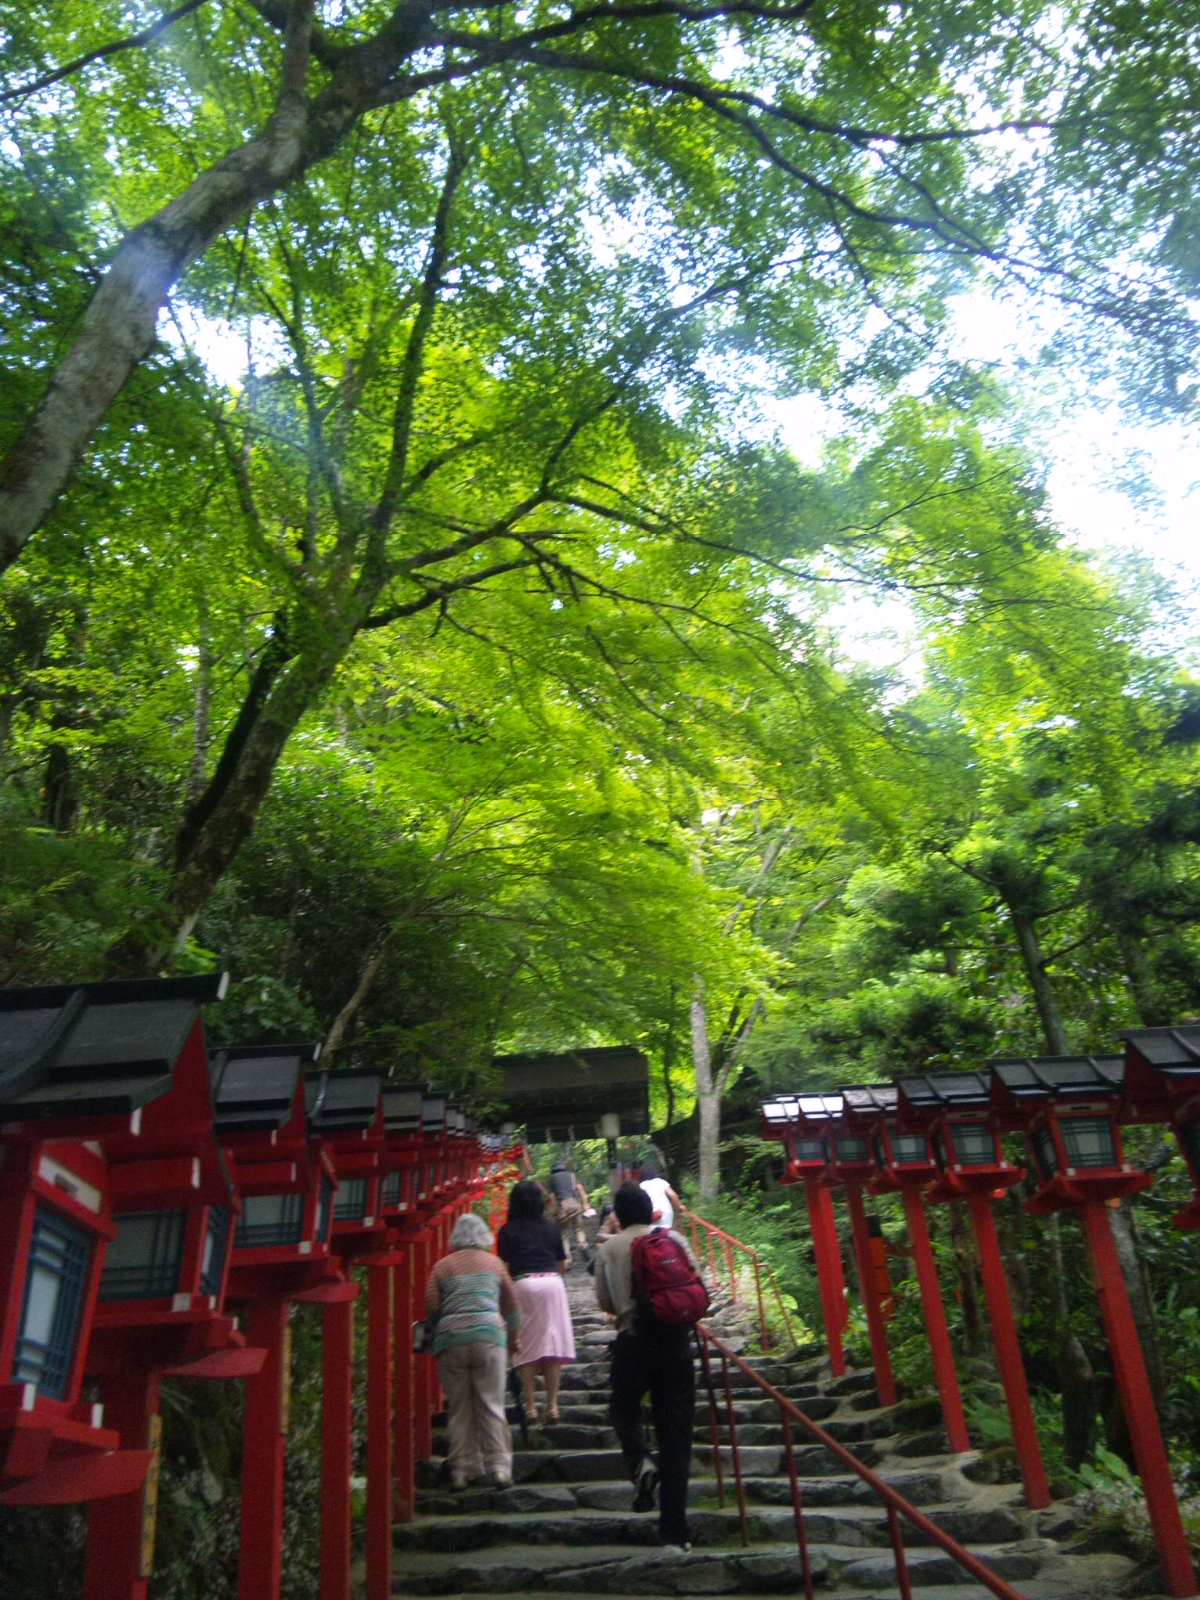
[[471, 1233]]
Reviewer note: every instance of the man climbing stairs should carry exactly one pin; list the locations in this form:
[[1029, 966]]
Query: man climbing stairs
[[566, 1527]]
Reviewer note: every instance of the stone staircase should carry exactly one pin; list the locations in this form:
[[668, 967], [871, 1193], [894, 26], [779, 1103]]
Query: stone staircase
[[566, 1528]]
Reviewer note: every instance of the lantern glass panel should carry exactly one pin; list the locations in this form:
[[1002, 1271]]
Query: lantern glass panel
[[351, 1205], [60, 1259], [1041, 1142], [810, 1150], [324, 1210], [974, 1144], [939, 1152], [145, 1259], [909, 1149], [1089, 1141], [1189, 1143], [393, 1191], [216, 1242], [270, 1220], [881, 1159], [852, 1151]]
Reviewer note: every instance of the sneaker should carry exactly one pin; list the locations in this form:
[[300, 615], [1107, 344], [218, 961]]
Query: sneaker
[[458, 1481], [646, 1486], [676, 1549], [500, 1480]]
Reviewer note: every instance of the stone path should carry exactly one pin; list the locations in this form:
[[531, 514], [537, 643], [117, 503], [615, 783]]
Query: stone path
[[565, 1527]]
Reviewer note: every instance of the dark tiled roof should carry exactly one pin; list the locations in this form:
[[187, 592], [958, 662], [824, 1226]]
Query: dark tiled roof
[[343, 1102], [1174, 1051], [1055, 1077], [878, 1099], [402, 1108], [946, 1091], [552, 1094], [254, 1086], [96, 1049]]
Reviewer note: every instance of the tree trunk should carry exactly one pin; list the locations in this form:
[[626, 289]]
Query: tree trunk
[[202, 715], [213, 845], [668, 1056], [968, 1281], [366, 981], [708, 1103], [1044, 995], [119, 325], [1076, 1378], [1151, 1011]]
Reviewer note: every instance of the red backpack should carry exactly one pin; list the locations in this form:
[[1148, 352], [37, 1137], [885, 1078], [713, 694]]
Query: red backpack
[[666, 1286]]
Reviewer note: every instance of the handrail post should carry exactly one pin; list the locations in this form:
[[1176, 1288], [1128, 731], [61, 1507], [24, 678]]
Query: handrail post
[[735, 1451], [733, 1283], [896, 1534], [714, 1430], [762, 1310], [797, 1503], [783, 1310]]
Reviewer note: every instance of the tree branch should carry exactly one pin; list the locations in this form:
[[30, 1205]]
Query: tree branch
[[135, 41]]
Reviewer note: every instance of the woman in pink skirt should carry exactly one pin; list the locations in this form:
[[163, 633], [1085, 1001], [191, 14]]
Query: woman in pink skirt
[[531, 1248]]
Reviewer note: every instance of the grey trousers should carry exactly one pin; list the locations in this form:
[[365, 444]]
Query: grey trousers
[[474, 1378]]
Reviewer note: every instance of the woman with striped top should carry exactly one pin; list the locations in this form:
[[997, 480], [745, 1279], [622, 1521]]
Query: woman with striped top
[[470, 1298]]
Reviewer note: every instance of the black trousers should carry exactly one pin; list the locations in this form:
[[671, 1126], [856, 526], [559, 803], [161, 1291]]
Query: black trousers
[[659, 1361]]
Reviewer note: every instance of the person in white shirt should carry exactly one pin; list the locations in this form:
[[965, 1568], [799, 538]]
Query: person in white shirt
[[662, 1197]]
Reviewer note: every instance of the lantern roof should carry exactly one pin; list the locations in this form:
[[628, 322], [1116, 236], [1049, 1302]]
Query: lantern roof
[[945, 1091], [871, 1100], [778, 1113], [1175, 1052], [433, 1113], [557, 1095], [402, 1108], [805, 1112], [254, 1086], [345, 1101], [1020, 1080], [95, 1049]]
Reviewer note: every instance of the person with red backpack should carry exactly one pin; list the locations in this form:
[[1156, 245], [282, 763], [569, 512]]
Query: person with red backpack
[[647, 1278]]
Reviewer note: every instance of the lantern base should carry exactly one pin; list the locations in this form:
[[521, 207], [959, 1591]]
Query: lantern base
[[977, 1180], [1064, 1194]]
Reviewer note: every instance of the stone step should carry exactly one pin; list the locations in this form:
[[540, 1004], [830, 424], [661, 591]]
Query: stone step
[[921, 1487], [568, 1435], [592, 1378], [597, 1466], [862, 1526], [759, 1569]]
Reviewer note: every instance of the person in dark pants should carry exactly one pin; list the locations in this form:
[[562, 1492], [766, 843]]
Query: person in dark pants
[[648, 1356]]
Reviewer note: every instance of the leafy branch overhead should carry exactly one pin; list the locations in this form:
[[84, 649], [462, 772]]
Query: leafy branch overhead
[[887, 158]]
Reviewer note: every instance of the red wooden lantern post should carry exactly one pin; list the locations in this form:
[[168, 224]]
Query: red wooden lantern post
[[401, 1162], [956, 1111], [1162, 1084], [862, 1109], [429, 1245], [281, 1252], [82, 1069], [910, 1182], [162, 1296], [803, 1123], [345, 1113], [1068, 1106]]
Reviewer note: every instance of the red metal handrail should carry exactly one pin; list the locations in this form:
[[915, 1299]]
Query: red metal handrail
[[760, 1268], [897, 1506]]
